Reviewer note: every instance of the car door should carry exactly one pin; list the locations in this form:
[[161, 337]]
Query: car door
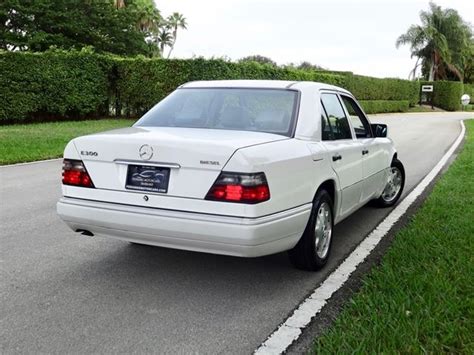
[[344, 151], [372, 154]]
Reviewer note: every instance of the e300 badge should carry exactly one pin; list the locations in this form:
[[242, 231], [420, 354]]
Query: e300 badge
[[89, 153]]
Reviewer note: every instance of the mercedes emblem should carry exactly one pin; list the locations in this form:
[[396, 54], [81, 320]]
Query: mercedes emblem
[[145, 152]]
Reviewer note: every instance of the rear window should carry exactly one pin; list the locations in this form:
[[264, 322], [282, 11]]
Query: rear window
[[259, 110]]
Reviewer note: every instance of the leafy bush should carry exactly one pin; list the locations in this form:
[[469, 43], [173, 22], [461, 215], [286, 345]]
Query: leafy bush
[[383, 106], [163, 76], [447, 94], [469, 89], [367, 88], [52, 84], [142, 82], [74, 84]]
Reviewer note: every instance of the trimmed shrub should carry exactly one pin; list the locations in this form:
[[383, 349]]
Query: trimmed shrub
[[447, 94], [142, 82], [384, 106], [68, 85], [469, 89], [163, 76], [367, 88], [52, 85]]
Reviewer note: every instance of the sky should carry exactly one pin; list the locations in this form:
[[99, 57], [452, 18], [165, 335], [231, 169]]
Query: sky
[[357, 36]]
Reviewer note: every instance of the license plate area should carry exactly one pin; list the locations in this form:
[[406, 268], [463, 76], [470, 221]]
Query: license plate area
[[147, 178]]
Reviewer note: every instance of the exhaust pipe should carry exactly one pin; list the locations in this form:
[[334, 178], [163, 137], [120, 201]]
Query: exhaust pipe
[[85, 232]]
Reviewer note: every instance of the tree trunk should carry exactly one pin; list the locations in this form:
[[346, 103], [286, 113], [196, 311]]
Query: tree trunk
[[169, 53], [431, 76], [162, 49], [412, 74], [175, 34]]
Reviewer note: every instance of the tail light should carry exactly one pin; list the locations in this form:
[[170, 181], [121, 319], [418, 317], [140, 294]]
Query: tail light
[[75, 173], [241, 188]]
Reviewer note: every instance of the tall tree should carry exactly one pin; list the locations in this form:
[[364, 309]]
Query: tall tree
[[148, 15], [309, 66], [259, 59], [175, 21], [468, 64], [439, 43], [164, 38], [116, 26]]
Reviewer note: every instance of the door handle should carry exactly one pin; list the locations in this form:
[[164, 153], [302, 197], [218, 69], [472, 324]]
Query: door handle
[[365, 151], [336, 157]]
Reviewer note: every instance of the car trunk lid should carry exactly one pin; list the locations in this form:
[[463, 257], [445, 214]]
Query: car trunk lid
[[193, 156]]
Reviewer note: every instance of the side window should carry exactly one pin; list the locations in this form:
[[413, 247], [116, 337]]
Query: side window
[[326, 131], [358, 120], [336, 118]]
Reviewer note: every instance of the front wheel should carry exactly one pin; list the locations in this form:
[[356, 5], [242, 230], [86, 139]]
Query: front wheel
[[312, 251], [394, 187]]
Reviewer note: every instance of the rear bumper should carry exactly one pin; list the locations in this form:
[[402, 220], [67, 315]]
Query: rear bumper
[[246, 237]]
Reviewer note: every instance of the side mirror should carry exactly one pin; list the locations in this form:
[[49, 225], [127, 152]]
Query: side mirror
[[379, 130]]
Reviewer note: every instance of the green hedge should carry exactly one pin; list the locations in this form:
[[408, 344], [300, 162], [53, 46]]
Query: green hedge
[[69, 85], [367, 88], [447, 94], [469, 89], [59, 84], [384, 106], [163, 76]]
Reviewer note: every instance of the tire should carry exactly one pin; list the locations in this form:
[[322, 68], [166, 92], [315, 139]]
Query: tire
[[389, 196], [305, 255]]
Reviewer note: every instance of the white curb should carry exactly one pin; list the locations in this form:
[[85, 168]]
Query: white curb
[[31, 162]]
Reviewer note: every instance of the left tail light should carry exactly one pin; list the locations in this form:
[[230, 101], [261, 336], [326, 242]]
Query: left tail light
[[240, 187], [75, 174]]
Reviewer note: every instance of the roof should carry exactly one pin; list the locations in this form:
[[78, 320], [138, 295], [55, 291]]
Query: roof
[[267, 84]]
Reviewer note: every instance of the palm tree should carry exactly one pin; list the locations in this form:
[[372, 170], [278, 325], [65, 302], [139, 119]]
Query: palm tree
[[149, 16], [175, 21], [164, 38], [434, 42]]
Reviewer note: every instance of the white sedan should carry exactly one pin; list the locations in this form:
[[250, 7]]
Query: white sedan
[[244, 168]]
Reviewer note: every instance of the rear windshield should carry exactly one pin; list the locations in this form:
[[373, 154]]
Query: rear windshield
[[260, 110]]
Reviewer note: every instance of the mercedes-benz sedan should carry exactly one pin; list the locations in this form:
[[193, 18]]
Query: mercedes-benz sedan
[[244, 168]]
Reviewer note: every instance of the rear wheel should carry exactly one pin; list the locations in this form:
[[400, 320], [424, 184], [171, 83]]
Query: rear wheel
[[394, 187], [312, 251]]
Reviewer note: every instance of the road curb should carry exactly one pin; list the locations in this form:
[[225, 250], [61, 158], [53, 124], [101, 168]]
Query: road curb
[[29, 163]]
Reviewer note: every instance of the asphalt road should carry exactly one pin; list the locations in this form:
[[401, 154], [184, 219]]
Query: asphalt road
[[61, 292]]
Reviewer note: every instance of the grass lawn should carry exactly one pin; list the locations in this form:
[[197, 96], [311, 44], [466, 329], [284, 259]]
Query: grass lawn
[[30, 142], [421, 298]]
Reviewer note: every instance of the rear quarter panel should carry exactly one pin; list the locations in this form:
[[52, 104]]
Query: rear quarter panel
[[292, 174]]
